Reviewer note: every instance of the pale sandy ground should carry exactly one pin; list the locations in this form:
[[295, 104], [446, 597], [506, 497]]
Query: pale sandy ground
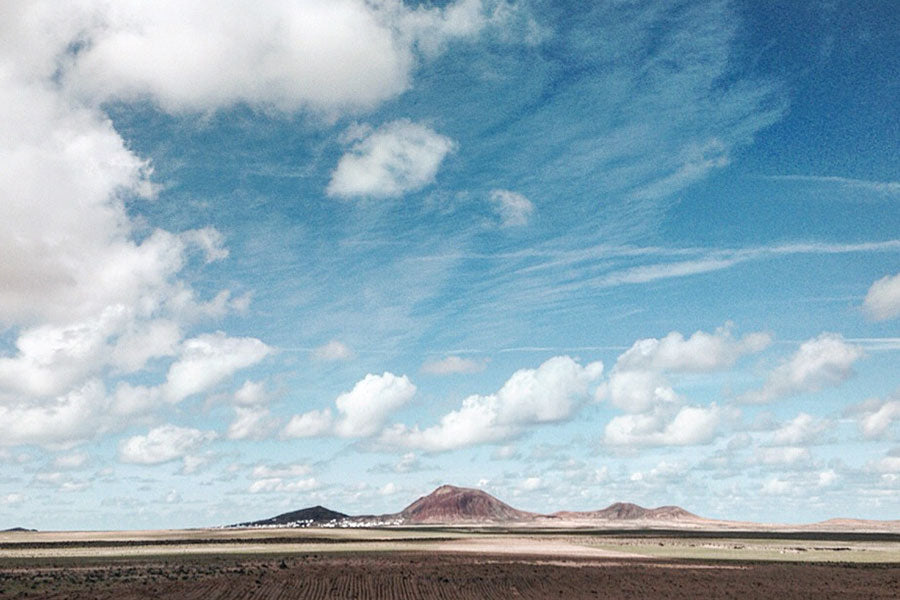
[[527, 546]]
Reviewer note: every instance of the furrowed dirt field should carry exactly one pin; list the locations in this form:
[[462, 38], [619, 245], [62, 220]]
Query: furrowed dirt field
[[445, 563], [404, 575]]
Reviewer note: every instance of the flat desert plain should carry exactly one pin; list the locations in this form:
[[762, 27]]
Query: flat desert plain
[[448, 563]]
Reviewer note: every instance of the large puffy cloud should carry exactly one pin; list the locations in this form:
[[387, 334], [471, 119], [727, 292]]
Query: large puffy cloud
[[824, 361], [688, 425], [163, 444], [638, 383], [396, 158], [883, 298], [550, 393], [73, 417], [656, 414], [699, 353], [361, 412], [327, 56], [208, 359]]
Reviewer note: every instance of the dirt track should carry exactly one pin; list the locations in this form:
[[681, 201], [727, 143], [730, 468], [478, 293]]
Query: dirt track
[[397, 576]]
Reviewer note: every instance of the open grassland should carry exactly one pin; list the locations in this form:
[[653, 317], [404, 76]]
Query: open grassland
[[446, 563]]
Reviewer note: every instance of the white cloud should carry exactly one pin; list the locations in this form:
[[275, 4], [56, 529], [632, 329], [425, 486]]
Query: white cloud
[[453, 364], [688, 426], [252, 393], [824, 361], [251, 422], [784, 455], [279, 485], [333, 351], [827, 478], [702, 352], [14, 498], [513, 208], [323, 55], [776, 487], [163, 444], [73, 417], [878, 419], [883, 298], [638, 391], [209, 359], [309, 424], [637, 383], [71, 460], [549, 393], [363, 410], [803, 429], [398, 157], [530, 484], [388, 489], [281, 471]]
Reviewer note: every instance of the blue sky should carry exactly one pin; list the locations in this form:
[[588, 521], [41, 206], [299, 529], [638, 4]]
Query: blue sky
[[339, 253]]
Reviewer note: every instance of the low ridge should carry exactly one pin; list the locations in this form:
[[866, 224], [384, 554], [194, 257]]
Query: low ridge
[[314, 515], [451, 504], [626, 511]]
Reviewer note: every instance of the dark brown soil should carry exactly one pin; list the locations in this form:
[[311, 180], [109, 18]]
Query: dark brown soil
[[397, 576]]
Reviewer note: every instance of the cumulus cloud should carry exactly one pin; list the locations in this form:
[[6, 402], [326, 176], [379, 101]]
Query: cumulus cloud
[[513, 208], [251, 393], [328, 56], [782, 455], [824, 361], [664, 426], [451, 365], [73, 417], [656, 414], [803, 429], [209, 359], [398, 157], [702, 352], [163, 444], [280, 470], [877, 417], [550, 393], [278, 485], [309, 424], [333, 351], [361, 412], [251, 422], [883, 299]]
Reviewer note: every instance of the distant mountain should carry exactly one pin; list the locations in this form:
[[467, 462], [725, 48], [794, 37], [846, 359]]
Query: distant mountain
[[18, 530], [625, 511], [315, 515], [450, 504]]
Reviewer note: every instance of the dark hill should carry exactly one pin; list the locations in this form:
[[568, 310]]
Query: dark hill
[[308, 516], [450, 504]]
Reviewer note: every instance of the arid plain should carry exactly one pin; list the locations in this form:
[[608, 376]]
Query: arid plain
[[482, 548]]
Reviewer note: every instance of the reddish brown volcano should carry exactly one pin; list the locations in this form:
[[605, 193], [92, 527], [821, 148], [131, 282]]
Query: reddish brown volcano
[[628, 511], [449, 504]]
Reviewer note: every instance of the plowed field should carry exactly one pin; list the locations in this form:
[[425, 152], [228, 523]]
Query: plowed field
[[405, 575]]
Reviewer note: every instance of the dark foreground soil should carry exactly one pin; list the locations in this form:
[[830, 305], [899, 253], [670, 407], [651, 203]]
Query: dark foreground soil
[[397, 576]]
